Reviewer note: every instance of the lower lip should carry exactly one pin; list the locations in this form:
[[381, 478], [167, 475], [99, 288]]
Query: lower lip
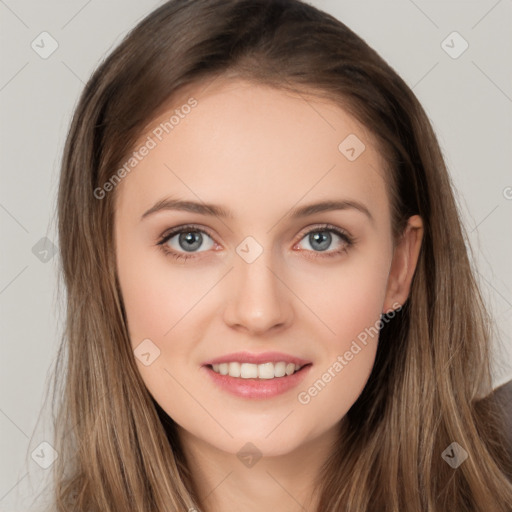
[[258, 388]]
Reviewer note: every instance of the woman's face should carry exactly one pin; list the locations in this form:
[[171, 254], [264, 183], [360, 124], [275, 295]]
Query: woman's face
[[269, 276]]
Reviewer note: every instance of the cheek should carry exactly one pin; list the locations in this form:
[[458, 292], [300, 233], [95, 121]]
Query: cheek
[[348, 298], [349, 303], [157, 295], [160, 301]]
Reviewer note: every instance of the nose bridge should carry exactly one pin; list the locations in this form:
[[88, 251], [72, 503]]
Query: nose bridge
[[258, 300]]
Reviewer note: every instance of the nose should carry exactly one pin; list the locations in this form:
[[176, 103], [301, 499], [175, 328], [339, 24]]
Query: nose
[[259, 300]]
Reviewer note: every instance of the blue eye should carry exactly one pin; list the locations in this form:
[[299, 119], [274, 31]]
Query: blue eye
[[190, 238], [320, 239]]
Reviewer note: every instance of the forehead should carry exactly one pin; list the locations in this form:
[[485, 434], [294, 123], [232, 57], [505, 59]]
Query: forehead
[[242, 143]]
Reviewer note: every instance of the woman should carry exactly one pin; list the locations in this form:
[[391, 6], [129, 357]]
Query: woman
[[270, 302]]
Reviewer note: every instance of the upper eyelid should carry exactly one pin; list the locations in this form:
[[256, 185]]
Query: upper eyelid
[[170, 233]]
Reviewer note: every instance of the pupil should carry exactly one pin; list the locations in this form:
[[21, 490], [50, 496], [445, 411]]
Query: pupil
[[192, 241], [323, 238]]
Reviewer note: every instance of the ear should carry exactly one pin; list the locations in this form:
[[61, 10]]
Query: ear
[[403, 264]]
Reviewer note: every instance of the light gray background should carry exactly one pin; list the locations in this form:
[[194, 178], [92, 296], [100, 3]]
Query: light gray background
[[468, 99]]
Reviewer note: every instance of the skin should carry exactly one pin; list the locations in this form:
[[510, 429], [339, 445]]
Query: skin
[[259, 152]]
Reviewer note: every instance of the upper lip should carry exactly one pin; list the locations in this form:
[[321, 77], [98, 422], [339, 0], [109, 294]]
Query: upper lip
[[264, 357]]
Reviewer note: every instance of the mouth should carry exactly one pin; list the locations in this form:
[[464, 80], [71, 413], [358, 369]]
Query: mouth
[[246, 382]]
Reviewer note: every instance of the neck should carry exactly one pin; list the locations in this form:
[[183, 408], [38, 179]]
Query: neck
[[256, 482]]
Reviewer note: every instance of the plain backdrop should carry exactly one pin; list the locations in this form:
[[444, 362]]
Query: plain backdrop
[[466, 92]]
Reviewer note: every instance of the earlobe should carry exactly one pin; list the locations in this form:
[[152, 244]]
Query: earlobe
[[403, 265]]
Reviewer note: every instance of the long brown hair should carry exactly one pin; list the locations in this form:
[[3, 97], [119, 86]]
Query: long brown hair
[[118, 451]]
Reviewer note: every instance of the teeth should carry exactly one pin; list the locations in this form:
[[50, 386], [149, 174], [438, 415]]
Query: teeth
[[254, 371], [234, 369]]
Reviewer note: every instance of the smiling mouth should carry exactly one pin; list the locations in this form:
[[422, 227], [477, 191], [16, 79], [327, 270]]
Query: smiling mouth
[[264, 371]]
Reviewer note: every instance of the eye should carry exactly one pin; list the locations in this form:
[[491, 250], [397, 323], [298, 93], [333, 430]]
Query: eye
[[183, 242], [185, 239], [321, 238]]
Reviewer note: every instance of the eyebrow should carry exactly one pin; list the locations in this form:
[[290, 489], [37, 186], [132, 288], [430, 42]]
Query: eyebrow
[[221, 212]]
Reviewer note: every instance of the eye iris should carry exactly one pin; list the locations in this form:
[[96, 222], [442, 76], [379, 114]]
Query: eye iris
[[321, 237], [192, 240]]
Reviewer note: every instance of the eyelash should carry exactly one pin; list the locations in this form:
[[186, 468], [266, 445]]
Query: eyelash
[[348, 239]]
